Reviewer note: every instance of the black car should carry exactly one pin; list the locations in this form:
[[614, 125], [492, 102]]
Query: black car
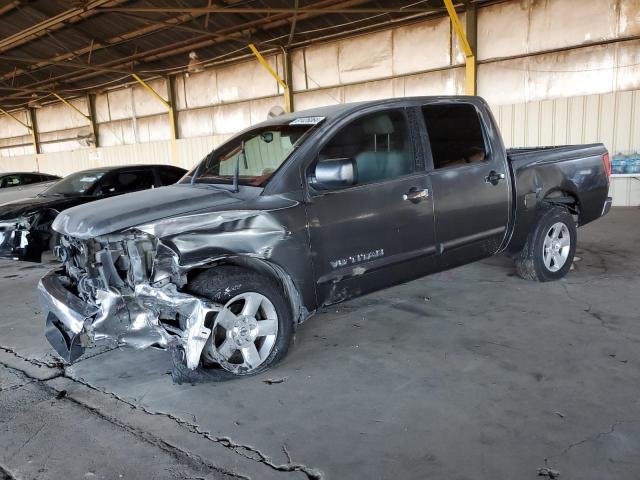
[[19, 179], [25, 225]]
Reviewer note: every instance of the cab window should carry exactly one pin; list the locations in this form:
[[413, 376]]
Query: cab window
[[455, 135], [379, 143]]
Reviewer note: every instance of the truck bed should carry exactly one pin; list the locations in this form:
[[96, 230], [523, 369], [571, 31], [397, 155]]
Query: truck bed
[[567, 174]]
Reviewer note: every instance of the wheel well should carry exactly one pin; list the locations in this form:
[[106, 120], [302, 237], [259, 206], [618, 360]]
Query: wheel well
[[268, 269], [565, 199]]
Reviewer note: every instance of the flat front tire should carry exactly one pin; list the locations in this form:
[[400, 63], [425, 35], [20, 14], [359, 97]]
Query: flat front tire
[[254, 329], [550, 247]]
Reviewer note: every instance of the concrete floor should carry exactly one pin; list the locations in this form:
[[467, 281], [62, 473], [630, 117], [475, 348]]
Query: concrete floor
[[468, 374]]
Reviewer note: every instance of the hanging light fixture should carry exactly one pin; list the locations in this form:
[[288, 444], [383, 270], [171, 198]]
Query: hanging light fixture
[[35, 101], [194, 65]]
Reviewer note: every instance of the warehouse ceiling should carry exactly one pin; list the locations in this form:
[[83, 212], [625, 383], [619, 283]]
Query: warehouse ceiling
[[74, 46]]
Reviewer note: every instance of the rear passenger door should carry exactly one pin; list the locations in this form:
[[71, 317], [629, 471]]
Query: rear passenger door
[[379, 231], [470, 183]]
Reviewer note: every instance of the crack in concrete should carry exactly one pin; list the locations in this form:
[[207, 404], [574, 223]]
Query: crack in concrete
[[246, 451], [34, 361], [173, 450], [612, 429]]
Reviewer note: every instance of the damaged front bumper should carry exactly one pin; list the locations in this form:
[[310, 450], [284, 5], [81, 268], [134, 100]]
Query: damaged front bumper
[[14, 243], [146, 317]]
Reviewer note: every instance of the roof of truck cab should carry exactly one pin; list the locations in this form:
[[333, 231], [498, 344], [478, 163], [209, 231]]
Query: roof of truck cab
[[331, 112]]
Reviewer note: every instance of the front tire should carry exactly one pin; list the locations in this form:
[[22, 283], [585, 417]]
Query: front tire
[[550, 247], [254, 330]]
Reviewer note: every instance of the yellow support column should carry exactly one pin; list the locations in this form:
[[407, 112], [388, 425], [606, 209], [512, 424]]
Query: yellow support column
[[172, 119], [288, 98], [470, 59]]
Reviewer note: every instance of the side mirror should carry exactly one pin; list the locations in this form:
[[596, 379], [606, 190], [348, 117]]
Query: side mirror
[[334, 173]]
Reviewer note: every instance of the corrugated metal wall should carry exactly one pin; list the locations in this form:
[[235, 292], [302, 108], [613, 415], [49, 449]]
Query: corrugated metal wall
[[610, 118]]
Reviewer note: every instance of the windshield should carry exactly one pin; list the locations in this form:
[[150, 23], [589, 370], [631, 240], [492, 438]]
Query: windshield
[[75, 184], [265, 149]]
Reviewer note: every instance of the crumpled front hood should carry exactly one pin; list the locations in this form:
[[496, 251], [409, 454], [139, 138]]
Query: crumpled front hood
[[125, 211]]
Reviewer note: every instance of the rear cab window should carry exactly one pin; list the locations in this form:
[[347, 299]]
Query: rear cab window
[[456, 135]]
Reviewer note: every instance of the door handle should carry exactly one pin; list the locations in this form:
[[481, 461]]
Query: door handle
[[494, 177], [414, 195]]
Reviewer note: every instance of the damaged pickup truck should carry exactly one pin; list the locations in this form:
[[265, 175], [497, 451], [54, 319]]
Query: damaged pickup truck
[[311, 209]]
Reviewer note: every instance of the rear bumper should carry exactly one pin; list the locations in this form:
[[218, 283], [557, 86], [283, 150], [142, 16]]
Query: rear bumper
[[606, 207]]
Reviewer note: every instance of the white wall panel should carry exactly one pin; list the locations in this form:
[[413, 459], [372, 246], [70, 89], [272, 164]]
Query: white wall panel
[[195, 123], [443, 82], [246, 80], [629, 18], [627, 73], [10, 128], [421, 46], [260, 108], [145, 102], [58, 116], [365, 57], [504, 82], [102, 108], [119, 104], [116, 133], [152, 129], [228, 119], [318, 98], [508, 22], [199, 90], [563, 23], [322, 65], [368, 91]]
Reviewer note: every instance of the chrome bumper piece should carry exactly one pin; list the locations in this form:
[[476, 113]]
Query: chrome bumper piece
[[134, 320]]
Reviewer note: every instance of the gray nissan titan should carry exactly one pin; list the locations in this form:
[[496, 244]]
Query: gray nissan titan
[[310, 209]]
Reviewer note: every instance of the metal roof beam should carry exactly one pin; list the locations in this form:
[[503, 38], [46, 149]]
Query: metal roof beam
[[44, 27], [268, 10]]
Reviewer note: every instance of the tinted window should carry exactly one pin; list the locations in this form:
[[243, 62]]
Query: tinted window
[[379, 143], [46, 178], [455, 134], [129, 181], [79, 183], [30, 178], [169, 176], [11, 181]]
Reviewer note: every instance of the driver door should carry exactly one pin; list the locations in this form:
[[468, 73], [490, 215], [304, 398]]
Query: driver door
[[379, 231]]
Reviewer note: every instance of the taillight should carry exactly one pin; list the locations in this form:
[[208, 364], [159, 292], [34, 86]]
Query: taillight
[[607, 165]]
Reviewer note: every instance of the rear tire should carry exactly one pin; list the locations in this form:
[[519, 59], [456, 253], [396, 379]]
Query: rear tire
[[254, 330], [550, 247]]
